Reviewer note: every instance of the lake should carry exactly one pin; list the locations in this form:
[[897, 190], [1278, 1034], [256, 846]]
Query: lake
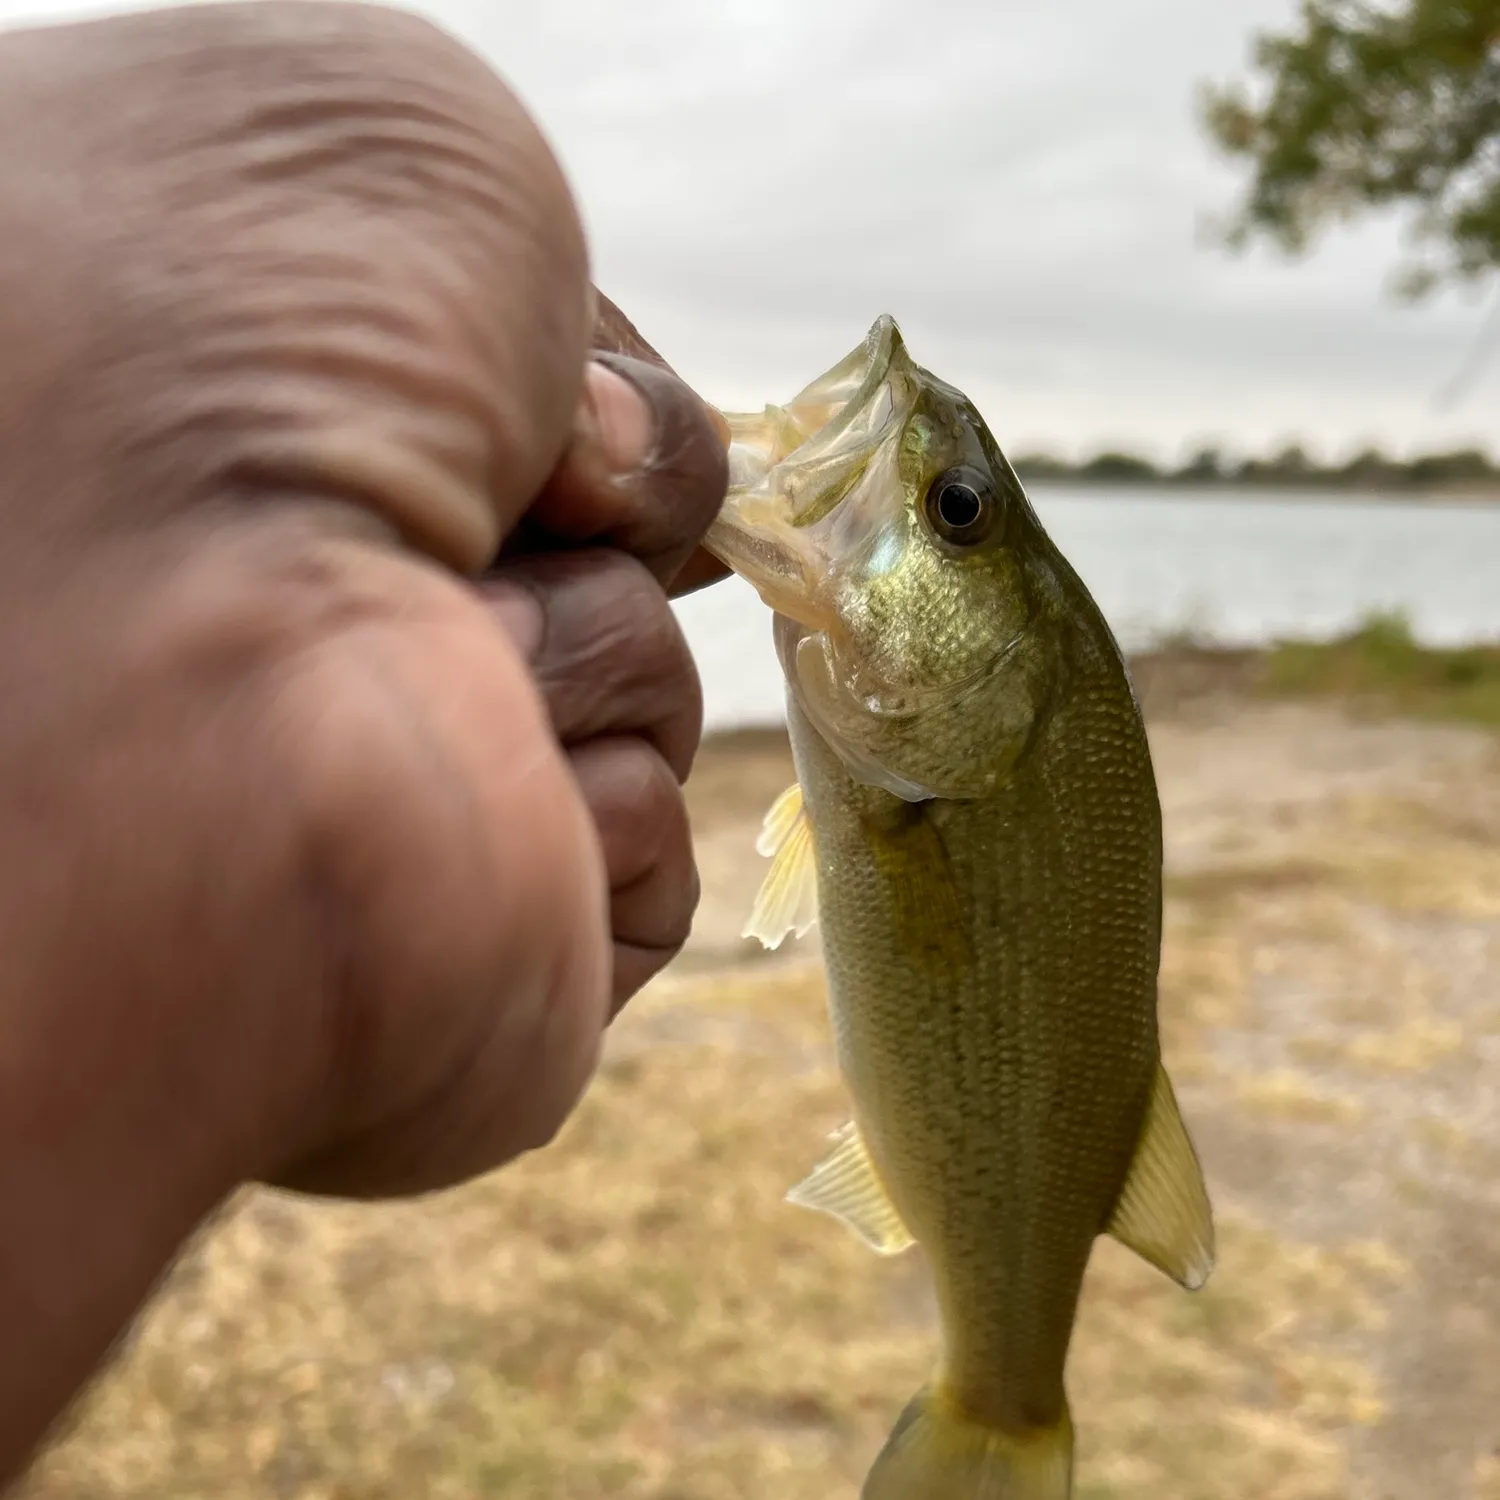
[[1230, 569]]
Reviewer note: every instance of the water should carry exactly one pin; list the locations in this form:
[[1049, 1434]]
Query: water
[[1229, 569]]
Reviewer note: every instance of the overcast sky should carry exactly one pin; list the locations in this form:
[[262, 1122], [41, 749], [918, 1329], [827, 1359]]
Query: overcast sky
[[1019, 183]]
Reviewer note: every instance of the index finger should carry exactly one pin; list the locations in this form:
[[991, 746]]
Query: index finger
[[614, 332], [658, 512]]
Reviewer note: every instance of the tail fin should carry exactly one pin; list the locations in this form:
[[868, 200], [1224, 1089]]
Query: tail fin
[[936, 1452]]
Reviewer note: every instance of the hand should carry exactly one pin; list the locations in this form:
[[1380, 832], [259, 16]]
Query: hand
[[613, 666], [341, 693], [581, 586]]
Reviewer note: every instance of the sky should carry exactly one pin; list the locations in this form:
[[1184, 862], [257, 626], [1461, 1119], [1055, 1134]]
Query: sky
[[1024, 186]]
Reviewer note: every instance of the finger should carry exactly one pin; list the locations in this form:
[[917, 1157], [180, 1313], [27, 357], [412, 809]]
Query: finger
[[641, 819], [700, 570], [646, 471], [605, 649], [614, 332]]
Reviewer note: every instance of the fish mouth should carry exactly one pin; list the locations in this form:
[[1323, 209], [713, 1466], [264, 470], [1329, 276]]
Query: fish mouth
[[791, 466], [829, 418]]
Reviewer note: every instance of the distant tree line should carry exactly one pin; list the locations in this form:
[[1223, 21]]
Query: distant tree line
[[1467, 469]]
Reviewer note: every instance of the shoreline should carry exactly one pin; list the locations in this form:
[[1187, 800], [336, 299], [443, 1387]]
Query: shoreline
[[1378, 669], [1165, 680], [1462, 496]]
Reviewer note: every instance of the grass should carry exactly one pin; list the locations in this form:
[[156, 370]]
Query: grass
[[1383, 663], [636, 1314]]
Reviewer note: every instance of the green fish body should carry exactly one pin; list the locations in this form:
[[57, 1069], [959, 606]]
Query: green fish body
[[976, 827]]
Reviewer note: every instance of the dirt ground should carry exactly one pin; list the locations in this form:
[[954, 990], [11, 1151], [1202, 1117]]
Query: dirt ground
[[635, 1312]]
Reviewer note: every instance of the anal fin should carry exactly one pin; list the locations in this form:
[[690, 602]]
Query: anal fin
[[1163, 1212], [845, 1184], [788, 897]]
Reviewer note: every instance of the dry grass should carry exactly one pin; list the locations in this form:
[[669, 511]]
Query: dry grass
[[635, 1313]]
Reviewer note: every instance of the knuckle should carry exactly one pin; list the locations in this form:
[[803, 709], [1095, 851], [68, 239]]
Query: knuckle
[[679, 914], [634, 591], [635, 620], [653, 654], [321, 201], [644, 830], [667, 839], [662, 812], [636, 804], [663, 641]]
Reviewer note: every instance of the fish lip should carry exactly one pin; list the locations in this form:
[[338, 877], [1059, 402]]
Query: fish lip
[[950, 695], [880, 346], [783, 558]]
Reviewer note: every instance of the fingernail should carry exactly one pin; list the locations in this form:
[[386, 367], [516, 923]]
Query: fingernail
[[627, 424]]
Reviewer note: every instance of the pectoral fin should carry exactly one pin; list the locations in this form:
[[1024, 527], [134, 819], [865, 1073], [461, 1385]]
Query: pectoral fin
[[788, 898], [845, 1185], [929, 911], [1163, 1213]]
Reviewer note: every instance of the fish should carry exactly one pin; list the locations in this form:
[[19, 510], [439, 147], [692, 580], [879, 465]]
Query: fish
[[976, 831]]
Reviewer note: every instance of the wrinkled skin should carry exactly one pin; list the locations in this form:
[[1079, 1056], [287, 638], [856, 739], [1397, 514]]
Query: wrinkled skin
[[345, 714]]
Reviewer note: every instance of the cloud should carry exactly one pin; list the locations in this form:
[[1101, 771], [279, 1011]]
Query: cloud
[[1021, 185]]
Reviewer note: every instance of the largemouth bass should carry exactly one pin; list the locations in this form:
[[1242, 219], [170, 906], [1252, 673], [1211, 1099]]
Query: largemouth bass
[[975, 827]]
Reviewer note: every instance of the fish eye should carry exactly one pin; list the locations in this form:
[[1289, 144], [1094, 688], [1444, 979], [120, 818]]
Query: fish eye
[[961, 506]]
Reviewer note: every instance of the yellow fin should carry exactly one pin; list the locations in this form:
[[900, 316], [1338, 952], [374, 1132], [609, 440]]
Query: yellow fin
[[1164, 1214], [845, 1185], [779, 820], [788, 897], [936, 1451]]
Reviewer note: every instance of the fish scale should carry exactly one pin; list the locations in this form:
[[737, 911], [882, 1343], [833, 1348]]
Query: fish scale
[[1062, 988], [976, 821]]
